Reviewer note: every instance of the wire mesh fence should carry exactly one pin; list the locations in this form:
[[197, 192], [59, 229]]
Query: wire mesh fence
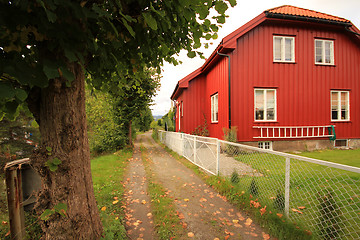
[[321, 197]]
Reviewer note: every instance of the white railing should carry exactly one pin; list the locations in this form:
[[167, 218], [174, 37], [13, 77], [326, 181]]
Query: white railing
[[319, 196], [295, 131]]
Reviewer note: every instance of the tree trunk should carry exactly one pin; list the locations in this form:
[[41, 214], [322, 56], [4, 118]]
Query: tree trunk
[[60, 112]]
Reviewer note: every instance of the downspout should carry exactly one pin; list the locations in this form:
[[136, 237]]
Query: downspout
[[229, 84]]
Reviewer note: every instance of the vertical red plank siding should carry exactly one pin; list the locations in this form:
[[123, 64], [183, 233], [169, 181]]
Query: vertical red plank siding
[[303, 88], [217, 82]]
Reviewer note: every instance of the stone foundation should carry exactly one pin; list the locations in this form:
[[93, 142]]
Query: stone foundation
[[305, 145]]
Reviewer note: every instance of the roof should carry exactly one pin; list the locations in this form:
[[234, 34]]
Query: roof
[[302, 12], [288, 12]]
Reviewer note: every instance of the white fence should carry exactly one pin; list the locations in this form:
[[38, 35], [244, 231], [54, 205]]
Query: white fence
[[321, 197]]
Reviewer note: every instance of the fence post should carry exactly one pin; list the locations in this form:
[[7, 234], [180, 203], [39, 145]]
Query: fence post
[[14, 195], [194, 149], [287, 186], [217, 157]]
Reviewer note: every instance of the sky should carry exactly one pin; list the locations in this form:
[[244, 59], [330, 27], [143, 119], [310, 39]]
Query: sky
[[242, 13]]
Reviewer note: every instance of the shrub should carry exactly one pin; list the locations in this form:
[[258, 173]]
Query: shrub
[[235, 177], [230, 135], [330, 218], [279, 201], [253, 189]]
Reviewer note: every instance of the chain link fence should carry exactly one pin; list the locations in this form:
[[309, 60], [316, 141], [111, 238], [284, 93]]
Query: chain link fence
[[320, 196]]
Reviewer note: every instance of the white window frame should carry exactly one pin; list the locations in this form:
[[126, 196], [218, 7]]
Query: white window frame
[[265, 145], [265, 105], [182, 108], [215, 108], [283, 49], [179, 117], [338, 119], [323, 54]]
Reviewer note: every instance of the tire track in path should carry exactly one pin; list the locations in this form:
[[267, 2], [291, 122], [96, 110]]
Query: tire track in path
[[205, 213], [139, 223]]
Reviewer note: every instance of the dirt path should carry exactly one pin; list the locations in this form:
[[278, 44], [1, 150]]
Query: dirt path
[[139, 224], [205, 213]]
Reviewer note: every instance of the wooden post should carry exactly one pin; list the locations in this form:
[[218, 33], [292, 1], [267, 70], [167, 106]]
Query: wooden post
[[14, 196]]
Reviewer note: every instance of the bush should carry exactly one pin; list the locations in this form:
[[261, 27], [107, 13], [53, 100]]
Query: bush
[[155, 133], [230, 135], [330, 218], [235, 177]]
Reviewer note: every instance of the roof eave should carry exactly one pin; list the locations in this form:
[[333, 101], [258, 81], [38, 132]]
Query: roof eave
[[306, 19]]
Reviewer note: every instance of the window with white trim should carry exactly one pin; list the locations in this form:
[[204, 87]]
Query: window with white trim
[[284, 49], [340, 106], [324, 52], [214, 108], [265, 145], [182, 108], [265, 104]]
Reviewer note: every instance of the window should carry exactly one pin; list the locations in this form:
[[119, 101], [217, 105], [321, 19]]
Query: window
[[214, 108], [324, 52], [341, 143], [265, 145], [182, 108], [340, 106], [284, 49], [265, 104]]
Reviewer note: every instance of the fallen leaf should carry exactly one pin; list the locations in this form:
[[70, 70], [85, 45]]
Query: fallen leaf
[[142, 229], [295, 210], [8, 233], [103, 208], [279, 215], [227, 237], [149, 215], [235, 221], [301, 208], [115, 198], [115, 202], [186, 199], [248, 222], [190, 234], [307, 232], [216, 239], [4, 223], [203, 200], [263, 210], [265, 236], [116, 218], [143, 202]]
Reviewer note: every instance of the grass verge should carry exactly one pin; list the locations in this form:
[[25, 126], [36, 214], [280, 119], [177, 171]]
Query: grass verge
[[108, 173], [166, 220], [269, 218]]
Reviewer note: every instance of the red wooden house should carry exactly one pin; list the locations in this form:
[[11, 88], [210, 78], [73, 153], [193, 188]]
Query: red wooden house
[[288, 79]]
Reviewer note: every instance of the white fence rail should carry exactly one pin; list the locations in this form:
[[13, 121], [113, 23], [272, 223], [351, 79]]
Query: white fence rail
[[322, 197]]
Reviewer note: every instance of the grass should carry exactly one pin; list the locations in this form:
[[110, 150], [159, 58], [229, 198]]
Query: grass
[[167, 222], [349, 157], [108, 172]]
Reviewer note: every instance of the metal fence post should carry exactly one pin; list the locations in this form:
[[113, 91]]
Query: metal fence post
[[217, 156], [194, 149], [287, 186]]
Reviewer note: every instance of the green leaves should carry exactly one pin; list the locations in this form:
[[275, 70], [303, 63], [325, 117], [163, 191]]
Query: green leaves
[[150, 20], [60, 208], [221, 7], [53, 164]]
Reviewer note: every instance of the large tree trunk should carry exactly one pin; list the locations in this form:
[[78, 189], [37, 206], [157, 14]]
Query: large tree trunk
[[60, 111], [130, 134]]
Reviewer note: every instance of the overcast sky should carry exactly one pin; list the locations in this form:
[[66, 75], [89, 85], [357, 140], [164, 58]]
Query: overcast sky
[[243, 12]]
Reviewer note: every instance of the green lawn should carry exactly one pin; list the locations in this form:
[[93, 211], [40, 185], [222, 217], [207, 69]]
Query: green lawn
[[313, 188], [108, 174], [346, 157]]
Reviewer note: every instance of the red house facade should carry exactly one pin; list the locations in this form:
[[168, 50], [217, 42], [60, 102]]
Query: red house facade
[[288, 79]]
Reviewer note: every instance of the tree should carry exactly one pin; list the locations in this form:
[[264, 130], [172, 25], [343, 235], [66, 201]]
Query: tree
[[132, 98], [47, 46]]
